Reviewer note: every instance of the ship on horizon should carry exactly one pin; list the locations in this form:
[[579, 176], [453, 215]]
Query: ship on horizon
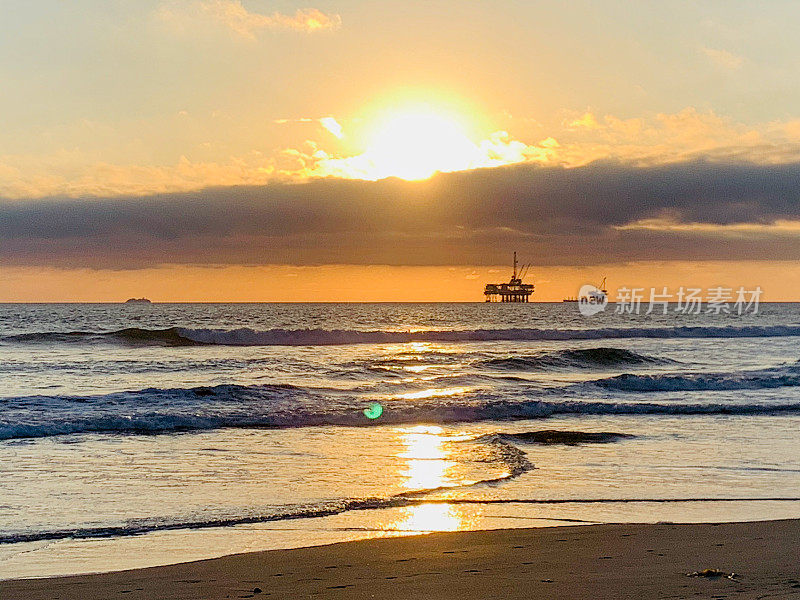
[[514, 290]]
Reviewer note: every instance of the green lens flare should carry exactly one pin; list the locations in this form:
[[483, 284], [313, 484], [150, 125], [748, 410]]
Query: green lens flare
[[374, 411]]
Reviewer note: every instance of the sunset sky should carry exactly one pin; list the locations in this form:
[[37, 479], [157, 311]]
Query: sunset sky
[[347, 150]]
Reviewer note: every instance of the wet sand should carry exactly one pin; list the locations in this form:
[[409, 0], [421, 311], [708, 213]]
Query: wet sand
[[581, 562]]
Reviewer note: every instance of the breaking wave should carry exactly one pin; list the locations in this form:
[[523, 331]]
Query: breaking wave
[[154, 410], [574, 358], [132, 335], [327, 337], [692, 382]]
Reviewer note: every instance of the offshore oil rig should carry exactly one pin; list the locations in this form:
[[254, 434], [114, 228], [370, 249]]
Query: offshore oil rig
[[513, 291]]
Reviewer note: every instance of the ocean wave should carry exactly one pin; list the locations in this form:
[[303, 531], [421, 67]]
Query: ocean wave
[[510, 455], [136, 527], [131, 335], [693, 382], [155, 411], [144, 526], [556, 436], [328, 337], [573, 358], [513, 459]]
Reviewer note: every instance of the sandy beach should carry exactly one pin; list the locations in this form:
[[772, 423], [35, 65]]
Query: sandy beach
[[597, 561]]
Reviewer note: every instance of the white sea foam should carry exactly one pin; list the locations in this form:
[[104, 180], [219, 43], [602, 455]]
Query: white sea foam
[[315, 337]]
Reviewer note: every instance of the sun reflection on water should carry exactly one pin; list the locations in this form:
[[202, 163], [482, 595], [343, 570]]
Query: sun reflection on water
[[417, 368], [430, 517], [434, 393], [428, 464], [426, 460]]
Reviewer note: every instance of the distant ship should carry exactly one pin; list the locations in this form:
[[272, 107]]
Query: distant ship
[[137, 301], [598, 295], [513, 291]]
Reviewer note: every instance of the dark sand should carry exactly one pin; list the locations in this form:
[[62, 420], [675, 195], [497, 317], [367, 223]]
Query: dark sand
[[582, 562]]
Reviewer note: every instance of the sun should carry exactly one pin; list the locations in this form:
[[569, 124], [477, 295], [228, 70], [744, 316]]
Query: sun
[[416, 138], [416, 143]]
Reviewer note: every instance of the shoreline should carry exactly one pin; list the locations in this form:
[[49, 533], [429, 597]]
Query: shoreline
[[575, 561]]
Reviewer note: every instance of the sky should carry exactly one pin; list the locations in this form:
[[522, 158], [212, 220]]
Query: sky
[[261, 150]]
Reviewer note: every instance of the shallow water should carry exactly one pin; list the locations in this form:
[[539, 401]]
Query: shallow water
[[134, 435]]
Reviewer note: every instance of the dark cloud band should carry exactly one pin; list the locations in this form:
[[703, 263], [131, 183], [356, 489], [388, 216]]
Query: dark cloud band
[[553, 215]]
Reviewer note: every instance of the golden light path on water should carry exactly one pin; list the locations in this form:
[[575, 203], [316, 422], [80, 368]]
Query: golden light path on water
[[428, 463], [434, 393], [428, 456]]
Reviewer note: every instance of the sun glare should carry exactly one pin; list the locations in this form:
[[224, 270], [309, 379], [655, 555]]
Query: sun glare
[[416, 138], [417, 144]]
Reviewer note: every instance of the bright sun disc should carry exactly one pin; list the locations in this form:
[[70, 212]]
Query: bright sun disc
[[416, 145]]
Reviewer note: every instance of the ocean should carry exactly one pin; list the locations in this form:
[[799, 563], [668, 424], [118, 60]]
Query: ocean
[[145, 434]]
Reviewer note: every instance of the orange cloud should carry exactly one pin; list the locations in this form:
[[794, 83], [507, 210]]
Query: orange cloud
[[497, 150], [587, 120], [247, 24], [779, 226], [333, 126], [723, 58], [659, 139]]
